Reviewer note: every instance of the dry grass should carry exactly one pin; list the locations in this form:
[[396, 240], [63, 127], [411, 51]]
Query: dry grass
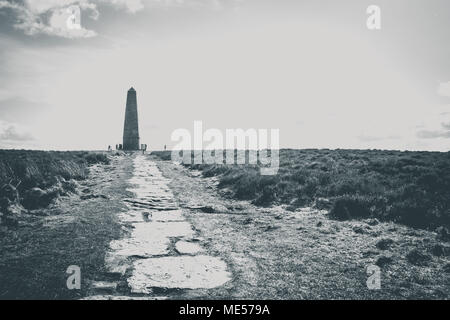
[[407, 187], [34, 179], [35, 255], [274, 253]]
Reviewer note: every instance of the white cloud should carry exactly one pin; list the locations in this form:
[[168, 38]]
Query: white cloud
[[132, 6], [6, 4], [57, 25], [11, 132], [444, 89], [42, 6], [50, 17]]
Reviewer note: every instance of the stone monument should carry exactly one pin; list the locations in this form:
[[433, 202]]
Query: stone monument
[[131, 128]]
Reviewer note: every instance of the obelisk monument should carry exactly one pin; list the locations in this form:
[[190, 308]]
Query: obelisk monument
[[131, 129]]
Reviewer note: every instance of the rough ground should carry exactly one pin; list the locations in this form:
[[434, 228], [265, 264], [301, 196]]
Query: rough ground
[[274, 253], [137, 234], [76, 230]]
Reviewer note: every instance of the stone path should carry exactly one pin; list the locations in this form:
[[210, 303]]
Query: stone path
[[161, 250]]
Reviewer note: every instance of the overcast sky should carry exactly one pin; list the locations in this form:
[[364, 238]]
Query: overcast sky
[[309, 68]]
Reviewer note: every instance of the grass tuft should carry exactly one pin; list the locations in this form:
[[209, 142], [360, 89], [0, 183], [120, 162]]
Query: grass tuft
[[34, 179]]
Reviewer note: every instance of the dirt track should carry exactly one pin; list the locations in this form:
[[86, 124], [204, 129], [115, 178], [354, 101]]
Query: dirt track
[[159, 255]]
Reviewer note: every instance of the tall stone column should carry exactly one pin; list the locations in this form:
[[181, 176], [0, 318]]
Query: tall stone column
[[131, 128]]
